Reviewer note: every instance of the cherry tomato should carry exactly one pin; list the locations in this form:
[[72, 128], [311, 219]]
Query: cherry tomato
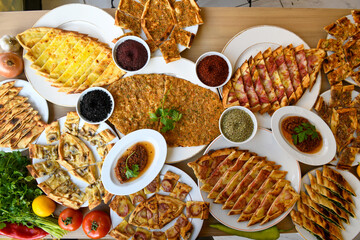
[[11, 65], [70, 219], [96, 224]]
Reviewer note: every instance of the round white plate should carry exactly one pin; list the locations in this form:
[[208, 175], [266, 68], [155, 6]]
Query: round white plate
[[108, 177], [328, 150], [82, 18], [184, 69], [264, 145], [326, 96], [194, 195], [352, 229], [252, 40], [348, 79], [81, 184], [37, 102]]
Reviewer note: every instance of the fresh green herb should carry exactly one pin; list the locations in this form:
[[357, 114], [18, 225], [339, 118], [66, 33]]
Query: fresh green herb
[[303, 131], [167, 117], [18, 190], [134, 172]]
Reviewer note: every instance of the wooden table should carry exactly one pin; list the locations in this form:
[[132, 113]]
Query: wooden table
[[221, 24]]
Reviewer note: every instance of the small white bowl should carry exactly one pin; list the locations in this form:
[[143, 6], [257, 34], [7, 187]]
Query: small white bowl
[[252, 116], [223, 57], [123, 39], [90, 90]]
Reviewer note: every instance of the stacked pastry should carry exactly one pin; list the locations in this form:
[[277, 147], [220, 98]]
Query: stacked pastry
[[162, 22], [20, 124], [327, 205], [69, 151], [70, 60], [342, 114], [158, 210], [273, 79], [344, 59], [246, 184]]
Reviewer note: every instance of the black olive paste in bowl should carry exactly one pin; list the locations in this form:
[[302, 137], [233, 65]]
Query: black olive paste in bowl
[[237, 125]]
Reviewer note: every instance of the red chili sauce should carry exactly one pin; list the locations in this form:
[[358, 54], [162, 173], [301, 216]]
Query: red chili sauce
[[131, 55], [309, 145], [212, 70]]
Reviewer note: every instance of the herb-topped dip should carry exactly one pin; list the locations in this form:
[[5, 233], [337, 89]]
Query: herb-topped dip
[[237, 125]]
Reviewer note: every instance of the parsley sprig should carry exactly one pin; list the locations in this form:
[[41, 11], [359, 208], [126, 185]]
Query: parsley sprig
[[133, 171], [167, 117], [303, 131]]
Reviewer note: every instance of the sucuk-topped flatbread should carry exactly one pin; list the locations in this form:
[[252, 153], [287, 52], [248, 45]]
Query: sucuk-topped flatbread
[[141, 94]]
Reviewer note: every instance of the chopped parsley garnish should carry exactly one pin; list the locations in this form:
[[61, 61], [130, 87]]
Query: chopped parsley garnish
[[303, 131]]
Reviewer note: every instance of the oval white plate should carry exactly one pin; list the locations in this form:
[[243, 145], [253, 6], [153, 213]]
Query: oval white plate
[[37, 102], [264, 145], [252, 40], [326, 96], [348, 79], [194, 195], [108, 177], [82, 18], [81, 184], [352, 229], [328, 150], [184, 69]]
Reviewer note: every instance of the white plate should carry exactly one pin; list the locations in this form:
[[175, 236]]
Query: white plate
[[37, 102], [82, 18], [324, 155], [264, 145], [326, 96], [194, 195], [352, 229], [81, 184], [184, 69], [108, 177], [250, 41], [348, 79]]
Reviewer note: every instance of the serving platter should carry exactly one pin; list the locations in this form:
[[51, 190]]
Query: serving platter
[[352, 229], [263, 144], [328, 149], [348, 79], [37, 102], [81, 184], [252, 40], [194, 195], [108, 177], [184, 69], [82, 18]]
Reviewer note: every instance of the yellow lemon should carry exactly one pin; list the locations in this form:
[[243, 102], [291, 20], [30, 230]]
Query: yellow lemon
[[43, 206], [358, 170]]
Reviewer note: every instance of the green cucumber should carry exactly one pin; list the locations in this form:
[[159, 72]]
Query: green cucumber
[[267, 234]]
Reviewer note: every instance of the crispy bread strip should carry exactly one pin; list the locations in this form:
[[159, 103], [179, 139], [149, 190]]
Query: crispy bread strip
[[338, 179], [301, 220], [290, 60], [249, 88]]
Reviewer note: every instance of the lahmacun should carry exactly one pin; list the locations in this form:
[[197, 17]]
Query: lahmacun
[[182, 36], [170, 51], [187, 13], [127, 22], [156, 31], [131, 7]]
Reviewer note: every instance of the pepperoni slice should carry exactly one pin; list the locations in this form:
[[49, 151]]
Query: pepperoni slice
[[149, 214], [195, 210], [167, 185], [124, 210], [152, 186], [138, 199], [172, 232], [163, 207], [143, 213], [158, 233], [181, 222], [140, 236], [183, 195], [129, 229]]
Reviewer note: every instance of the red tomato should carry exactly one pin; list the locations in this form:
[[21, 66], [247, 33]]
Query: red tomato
[[96, 224], [70, 219], [11, 65]]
